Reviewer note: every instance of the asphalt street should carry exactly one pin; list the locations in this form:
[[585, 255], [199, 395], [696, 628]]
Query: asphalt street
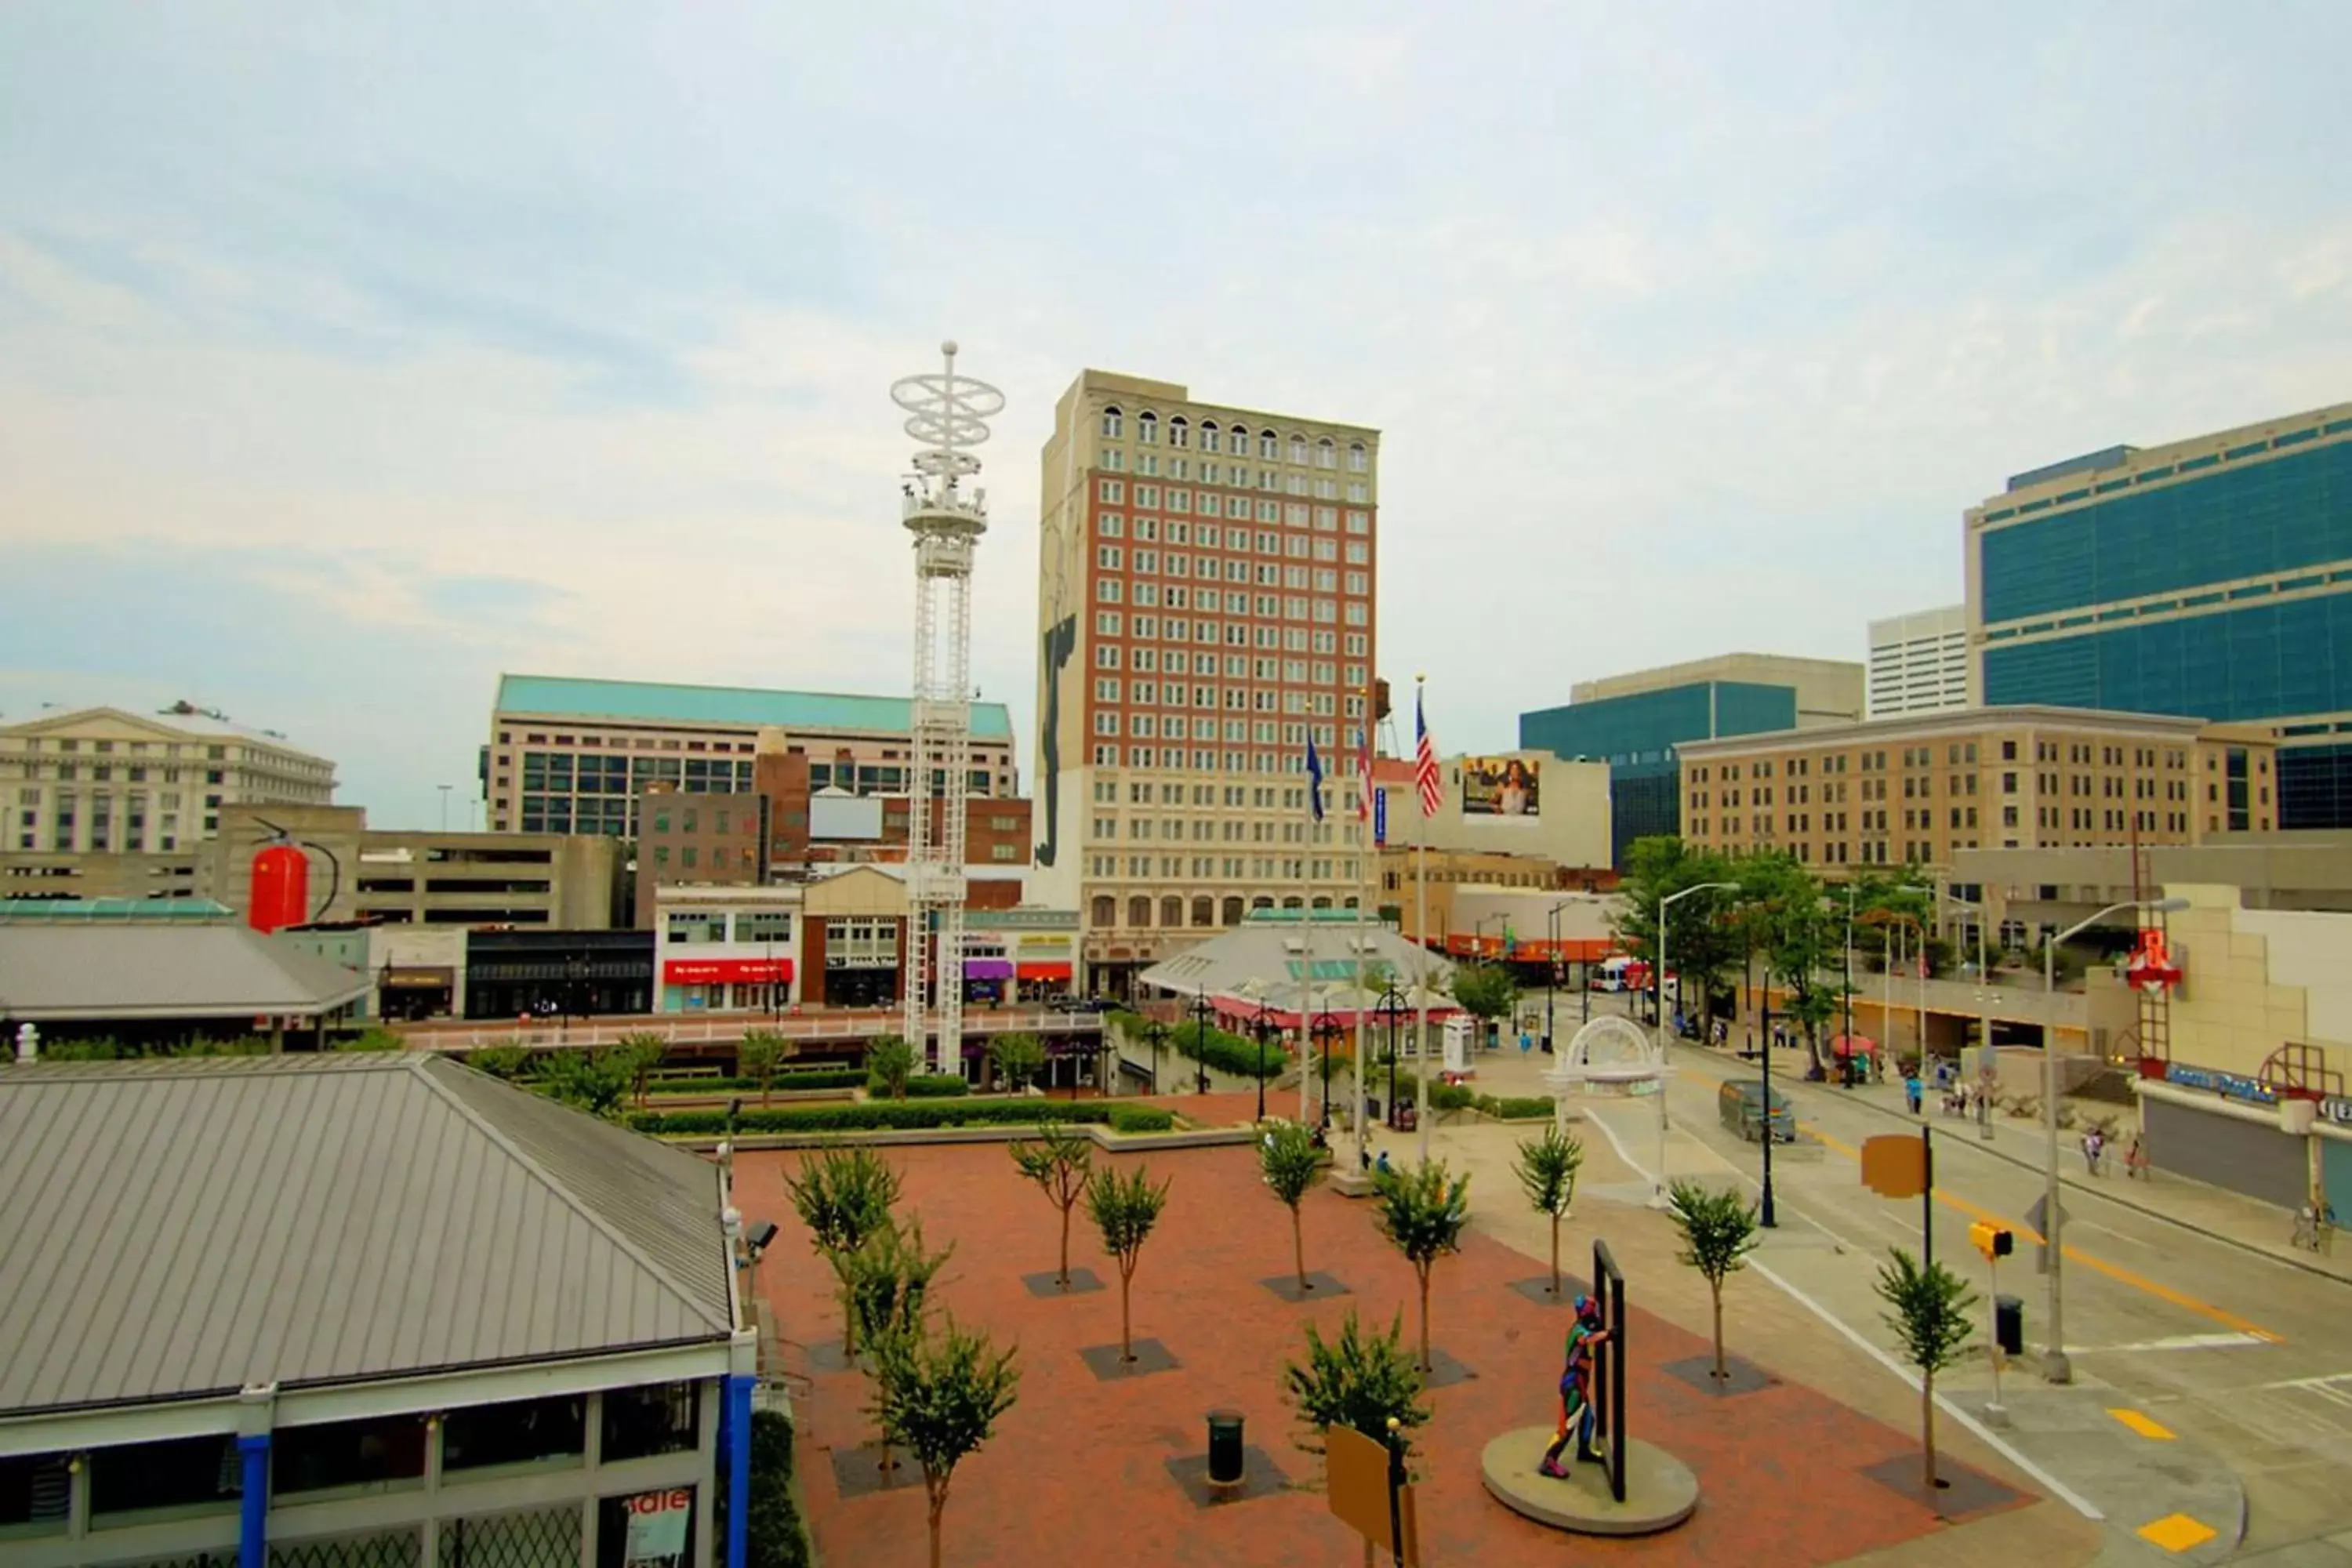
[[2202, 1373]]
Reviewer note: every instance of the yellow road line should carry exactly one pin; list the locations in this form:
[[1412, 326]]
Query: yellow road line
[[2073, 1254], [2143, 1426]]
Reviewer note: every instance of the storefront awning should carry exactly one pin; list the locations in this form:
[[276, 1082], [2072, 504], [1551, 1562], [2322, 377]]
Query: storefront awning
[[727, 971], [987, 969], [1043, 971]]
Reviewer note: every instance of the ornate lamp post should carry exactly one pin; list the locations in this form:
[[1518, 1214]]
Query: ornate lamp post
[[1326, 1030], [1261, 1029], [1392, 1004], [1201, 1040]]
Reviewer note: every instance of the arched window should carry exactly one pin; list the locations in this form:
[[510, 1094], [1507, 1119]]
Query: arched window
[[1179, 433], [1322, 902], [1172, 913], [1291, 902], [1112, 426], [1139, 912], [1208, 435], [1261, 902], [1237, 440], [1298, 449], [1104, 913], [1356, 457], [1326, 453], [1147, 428], [1204, 911], [1269, 444], [1349, 902], [1233, 911]]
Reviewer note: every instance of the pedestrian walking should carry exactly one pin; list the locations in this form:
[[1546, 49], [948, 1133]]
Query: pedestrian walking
[[2093, 1144], [1526, 1042], [1912, 1089], [2135, 1160]]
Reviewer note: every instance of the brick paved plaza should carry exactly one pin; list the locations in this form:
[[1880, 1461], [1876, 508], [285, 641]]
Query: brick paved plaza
[[1079, 1475]]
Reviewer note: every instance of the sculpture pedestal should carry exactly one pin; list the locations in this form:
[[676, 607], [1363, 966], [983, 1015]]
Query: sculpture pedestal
[[1660, 1491]]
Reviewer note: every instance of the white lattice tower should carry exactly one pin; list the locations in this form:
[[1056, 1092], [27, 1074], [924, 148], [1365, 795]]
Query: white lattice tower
[[946, 414]]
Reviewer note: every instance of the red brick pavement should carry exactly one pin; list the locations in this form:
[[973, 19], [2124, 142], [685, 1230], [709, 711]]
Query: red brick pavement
[[1076, 1473]]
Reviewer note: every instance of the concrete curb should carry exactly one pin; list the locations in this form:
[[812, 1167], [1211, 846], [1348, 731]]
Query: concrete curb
[[1003, 1132], [2070, 1182]]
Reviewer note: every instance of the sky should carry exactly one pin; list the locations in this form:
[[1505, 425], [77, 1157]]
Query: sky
[[352, 355]]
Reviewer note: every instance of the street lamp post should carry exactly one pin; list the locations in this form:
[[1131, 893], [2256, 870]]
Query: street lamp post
[[1201, 1040], [1984, 1003], [1392, 1003], [1551, 976], [1260, 1028], [1326, 1029], [2055, 1367], [1155, 1032], [1665, 904]]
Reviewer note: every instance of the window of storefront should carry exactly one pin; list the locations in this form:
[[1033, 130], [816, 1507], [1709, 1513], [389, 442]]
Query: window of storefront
[[523, 1432], [183, 1476], [383, 1454]]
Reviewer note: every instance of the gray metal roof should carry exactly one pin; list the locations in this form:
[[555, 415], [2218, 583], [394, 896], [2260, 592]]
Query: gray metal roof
[[1275, 961], [185, 1227], [168, 970]]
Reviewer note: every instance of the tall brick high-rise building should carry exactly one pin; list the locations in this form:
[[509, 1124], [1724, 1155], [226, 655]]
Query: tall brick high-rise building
[[1206, 605]]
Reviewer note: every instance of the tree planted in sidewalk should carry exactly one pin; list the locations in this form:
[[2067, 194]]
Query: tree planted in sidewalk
[[1718, 1230], [1292, 1165], [1017, 1058], [1547, 1168], [594, 1081], [843, 1196], [889, 1064], [938, 1396], [637, 1054], [1125, 1209], [1359, 1380], [1059, 1163], [1486, 990], [1928, 1310], [1424, 1213], [886, 1283]]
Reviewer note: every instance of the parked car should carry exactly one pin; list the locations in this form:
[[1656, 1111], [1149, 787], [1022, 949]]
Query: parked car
[[1740, 1103]]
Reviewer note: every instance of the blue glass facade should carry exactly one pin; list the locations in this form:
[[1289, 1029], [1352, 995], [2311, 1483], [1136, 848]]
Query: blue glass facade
[[2124, 568], [2157, 532], [1636, 736]]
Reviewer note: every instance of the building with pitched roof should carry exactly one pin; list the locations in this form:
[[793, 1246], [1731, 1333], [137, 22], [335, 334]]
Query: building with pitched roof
[[355, 1310]]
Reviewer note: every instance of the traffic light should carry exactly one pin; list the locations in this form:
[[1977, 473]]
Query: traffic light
[[1992, 1240]]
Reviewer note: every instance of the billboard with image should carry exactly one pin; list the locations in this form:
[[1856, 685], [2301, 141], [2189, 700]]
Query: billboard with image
[[1501, 786]]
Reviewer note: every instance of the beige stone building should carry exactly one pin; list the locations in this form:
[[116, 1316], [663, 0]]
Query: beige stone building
[[1205, 606], [1920, 789], [110, 781]]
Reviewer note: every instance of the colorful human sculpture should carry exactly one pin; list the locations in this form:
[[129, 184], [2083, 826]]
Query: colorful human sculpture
[[1577, 1416]]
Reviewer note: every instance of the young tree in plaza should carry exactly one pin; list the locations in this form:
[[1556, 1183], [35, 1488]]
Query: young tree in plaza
[[1547, 1168], [1125, 1209], [938, 1396], [1059, 1163], [1424, 1213], [1718, 1230], [594, 1081], [758, 1055], [885, 1284], [1485, 991], [638, 1052], [509, 1062], [1017, 1058], [1292, 1165], [889, 1064], [843, 1196], [1357, 1379], [1928, 1310]]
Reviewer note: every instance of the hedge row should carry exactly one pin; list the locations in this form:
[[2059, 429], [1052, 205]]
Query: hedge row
[[1140, 1118], [1220, 1048], [925, 1085], [1516, 1107], [797, 1078], [873, 1115]]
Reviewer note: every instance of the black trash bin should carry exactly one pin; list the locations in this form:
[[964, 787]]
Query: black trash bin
[[1224, 1447], [2009, 1324]]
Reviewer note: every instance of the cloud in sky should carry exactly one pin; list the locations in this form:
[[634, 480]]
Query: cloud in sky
[[350, 355]]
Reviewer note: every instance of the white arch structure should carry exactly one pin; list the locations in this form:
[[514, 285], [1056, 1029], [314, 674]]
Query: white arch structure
[[1612, 1056]]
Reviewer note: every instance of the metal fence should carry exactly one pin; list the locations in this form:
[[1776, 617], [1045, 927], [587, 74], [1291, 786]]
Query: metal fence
[[728, 1030], [544, 1538], [382, 1549]]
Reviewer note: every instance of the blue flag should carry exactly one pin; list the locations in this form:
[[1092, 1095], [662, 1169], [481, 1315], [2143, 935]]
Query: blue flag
[[1314, 779]]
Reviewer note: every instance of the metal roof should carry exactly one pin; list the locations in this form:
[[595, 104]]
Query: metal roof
[[171, 969], [1278, 963], [657, 703], [179, 1229], [182, 910]]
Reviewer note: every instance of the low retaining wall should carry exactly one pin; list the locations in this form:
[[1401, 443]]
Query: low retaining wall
[[1009, 1132]]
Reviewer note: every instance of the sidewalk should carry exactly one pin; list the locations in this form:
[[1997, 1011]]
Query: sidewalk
[[2244, 1223]]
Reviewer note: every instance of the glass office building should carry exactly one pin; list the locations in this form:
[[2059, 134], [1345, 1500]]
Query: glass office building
[[1634, 723], [2211, 578]]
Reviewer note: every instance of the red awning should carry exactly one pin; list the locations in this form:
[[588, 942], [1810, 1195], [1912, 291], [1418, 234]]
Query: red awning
[[1042, 971], [1854, 1046]]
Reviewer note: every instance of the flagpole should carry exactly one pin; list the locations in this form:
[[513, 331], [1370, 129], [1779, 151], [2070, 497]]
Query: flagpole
[[1306, 947], [1421, 939], [1365, 850]]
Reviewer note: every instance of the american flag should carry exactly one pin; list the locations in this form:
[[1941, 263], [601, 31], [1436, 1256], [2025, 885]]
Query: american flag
[[1424, 763]]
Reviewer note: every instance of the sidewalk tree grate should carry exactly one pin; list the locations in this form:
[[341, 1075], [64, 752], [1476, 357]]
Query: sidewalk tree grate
[[1960, 1493], [1740, 1376], [1049, 1284], [1538, 1289], [1151, 1356], [1321, 1285], [859, 1471], [1444, 1371], [1261, 1476]]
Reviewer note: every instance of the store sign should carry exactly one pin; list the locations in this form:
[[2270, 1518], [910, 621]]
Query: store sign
[[726, 971], [657, 1525], [2335, 1107]]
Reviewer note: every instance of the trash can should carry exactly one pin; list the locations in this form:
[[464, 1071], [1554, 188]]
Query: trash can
[[1224, 1447], [2009, 1324]]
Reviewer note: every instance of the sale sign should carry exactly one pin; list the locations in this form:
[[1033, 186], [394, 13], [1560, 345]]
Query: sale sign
[[657, 1525]]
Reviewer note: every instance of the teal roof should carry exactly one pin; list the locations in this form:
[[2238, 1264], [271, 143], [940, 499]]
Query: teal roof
[[196, 910], [656, 701]]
